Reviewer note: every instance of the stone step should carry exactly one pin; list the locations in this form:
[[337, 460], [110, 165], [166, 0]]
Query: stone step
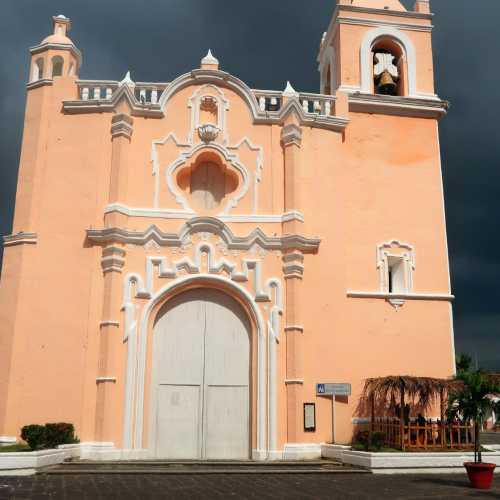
[[199, 467]]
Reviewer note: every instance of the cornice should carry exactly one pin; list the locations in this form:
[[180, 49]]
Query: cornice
[[384, 12], [356, 21], [39, 83], [203, 224], [58, 46], [398, 106], [446, 297], [20, 238]]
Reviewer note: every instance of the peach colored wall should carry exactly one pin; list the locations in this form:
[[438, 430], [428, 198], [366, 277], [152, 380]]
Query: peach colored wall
[[378, 180]]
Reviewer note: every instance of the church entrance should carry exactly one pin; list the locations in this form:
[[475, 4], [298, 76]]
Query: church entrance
[[200, 378]]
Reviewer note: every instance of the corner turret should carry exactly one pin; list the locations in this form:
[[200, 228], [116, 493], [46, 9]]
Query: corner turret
[[56, 55]]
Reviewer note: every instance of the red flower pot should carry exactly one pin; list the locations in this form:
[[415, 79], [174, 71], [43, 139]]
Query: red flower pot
[[480, 474]]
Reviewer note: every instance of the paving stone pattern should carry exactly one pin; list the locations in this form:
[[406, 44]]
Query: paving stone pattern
[[244, 486]]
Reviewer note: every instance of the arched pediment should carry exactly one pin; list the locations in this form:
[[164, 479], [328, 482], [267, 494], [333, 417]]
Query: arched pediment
[[215, 77]]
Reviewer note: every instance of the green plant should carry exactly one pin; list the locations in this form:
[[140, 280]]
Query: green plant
[[60, 433], [496, 409], [14, 448], [377, 440], [470, 398], [35, 435], [362, 440], [463, 362]]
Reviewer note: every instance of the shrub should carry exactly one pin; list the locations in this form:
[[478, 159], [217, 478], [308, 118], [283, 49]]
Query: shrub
[[362, 439], [34, 435], [60, 433], [378, 440]]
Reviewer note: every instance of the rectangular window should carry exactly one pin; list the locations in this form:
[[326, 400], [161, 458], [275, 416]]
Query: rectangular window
[[396, 282]]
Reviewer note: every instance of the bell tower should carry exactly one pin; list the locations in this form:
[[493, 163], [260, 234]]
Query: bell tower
[[378, 47]]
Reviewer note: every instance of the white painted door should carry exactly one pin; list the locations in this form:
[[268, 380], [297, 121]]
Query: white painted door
[[201, 365]]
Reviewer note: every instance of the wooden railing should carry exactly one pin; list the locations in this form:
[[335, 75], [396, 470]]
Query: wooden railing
[[428, 436]]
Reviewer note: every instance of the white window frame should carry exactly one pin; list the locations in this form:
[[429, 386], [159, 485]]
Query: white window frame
[[388, 253]]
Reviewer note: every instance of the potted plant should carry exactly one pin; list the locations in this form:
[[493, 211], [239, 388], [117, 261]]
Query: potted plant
[[470, 397]]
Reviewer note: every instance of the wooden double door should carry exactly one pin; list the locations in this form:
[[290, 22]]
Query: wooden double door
[[201, 378]]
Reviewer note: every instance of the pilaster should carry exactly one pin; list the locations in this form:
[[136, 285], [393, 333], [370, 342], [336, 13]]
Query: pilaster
[[109, 373], [291, 140], [121, 136]]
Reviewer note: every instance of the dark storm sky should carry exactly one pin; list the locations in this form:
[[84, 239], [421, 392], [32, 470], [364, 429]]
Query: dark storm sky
[[265, 43]]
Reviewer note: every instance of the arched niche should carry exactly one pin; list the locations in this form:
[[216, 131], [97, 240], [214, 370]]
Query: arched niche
[[207, 182], [390, 48], [389, 39], [37, 70], [57, 66]]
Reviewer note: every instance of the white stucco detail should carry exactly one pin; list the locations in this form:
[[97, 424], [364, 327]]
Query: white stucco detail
[[230, 158], [366, 56], [194, 104], [135, 330]]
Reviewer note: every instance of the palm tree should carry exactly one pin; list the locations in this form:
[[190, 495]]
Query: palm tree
[[470, 397]]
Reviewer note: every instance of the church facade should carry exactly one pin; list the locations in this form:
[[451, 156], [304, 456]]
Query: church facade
[[190, 259]]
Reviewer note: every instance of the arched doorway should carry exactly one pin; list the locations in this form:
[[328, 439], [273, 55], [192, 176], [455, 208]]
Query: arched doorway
[[201, 378]]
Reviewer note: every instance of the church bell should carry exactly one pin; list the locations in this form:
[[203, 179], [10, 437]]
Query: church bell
[[386, 84]]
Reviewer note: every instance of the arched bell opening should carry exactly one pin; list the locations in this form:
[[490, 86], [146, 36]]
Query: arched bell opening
[[389, 68]]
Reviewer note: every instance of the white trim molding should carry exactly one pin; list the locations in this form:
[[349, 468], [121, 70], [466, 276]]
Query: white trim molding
[[396, 250], [446, 297], [366, 56], [357, 21], [194, 104], [211, 225], [430, 107], [8, 440], [20, 238], [188, 214], [231, 158]]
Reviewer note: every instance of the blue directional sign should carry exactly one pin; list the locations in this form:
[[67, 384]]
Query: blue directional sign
[[333, 389]]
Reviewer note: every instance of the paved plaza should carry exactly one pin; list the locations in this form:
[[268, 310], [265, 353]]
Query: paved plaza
[[251, 486]]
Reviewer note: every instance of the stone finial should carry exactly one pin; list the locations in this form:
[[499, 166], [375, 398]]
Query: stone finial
[[290, 91], [62, 24], [127, 81], [209, 61]]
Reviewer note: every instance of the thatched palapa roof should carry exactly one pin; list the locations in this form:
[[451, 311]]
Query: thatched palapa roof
[[425, 390]]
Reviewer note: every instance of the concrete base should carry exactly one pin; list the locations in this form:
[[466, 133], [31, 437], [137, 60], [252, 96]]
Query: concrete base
[[302, 451], [409, 463]]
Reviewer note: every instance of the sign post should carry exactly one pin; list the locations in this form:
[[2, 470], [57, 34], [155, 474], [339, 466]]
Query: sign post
[[333, 390]]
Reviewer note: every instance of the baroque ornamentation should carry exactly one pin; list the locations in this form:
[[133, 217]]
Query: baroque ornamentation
[[208, 132]]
